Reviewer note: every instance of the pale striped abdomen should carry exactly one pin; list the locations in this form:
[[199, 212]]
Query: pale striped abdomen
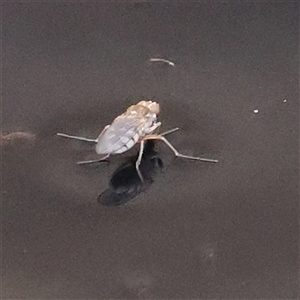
[[120, 136]]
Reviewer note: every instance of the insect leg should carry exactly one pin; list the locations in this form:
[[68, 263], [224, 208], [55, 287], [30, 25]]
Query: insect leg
[[152, 128], [186, 156], [159, 137], [139, 159], [169, 131], [92, 161], [77, 137]]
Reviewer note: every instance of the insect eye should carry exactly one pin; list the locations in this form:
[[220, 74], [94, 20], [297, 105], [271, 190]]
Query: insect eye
[[154, 107]]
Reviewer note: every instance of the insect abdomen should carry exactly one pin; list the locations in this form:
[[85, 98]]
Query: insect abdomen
[[128, 143], [121, 136]]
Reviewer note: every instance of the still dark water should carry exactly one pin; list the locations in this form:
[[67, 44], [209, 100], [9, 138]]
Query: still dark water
[[200, 231]]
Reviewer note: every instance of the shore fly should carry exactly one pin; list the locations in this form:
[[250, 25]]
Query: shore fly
[[136, 125]]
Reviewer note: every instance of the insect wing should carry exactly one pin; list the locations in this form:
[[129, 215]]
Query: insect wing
[[120, 136]]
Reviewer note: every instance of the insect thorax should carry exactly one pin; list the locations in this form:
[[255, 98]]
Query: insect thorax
[[138, 111], [143, 109]]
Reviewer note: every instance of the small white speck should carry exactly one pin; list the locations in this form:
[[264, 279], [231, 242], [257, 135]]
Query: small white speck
[[284, 100], [163, 60], [256, 111]]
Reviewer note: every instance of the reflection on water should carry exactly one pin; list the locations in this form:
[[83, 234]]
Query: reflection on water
[[125, 183]]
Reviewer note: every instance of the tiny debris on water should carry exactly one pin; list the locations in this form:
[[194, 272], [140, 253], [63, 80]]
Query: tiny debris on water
[[7, 138], [256, 111], [163, 60], [284, 101]]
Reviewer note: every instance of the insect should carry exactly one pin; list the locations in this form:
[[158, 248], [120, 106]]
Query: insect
[[136, 125]]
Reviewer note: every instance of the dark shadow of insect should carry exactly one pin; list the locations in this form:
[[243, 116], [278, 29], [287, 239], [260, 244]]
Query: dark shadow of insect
[[125, 183]]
